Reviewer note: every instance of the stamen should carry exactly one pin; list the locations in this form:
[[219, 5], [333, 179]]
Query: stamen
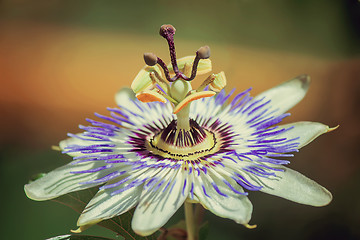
[[207, 81], [150, 96], [192, 97], [157, 79]]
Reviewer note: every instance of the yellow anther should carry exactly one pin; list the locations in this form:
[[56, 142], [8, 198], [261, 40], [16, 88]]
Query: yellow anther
[[143, 80], [219, 82], [193, 97], [150, 96]]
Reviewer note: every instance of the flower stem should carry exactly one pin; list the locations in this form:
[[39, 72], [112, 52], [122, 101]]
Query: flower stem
[[199, 215], [190, 221], [183, 118]]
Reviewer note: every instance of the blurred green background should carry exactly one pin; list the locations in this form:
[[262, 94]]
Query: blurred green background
[[62, 60]]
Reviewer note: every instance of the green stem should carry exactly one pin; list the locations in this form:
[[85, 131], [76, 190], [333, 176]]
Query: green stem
[[190, 221], [199, 214], [183, 120]]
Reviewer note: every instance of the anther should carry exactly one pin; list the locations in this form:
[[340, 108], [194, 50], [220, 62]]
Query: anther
[[192, 97], [150, 96], [150, 59]]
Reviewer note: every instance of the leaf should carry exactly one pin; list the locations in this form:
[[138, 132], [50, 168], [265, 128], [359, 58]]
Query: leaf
[[120, 224], [77, 237]]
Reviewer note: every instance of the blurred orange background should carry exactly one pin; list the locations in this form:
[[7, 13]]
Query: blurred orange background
[[60, 61]]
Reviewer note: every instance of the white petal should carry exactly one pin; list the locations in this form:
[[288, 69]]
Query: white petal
[[76, 141], [61, 181], [307, 131], [286, 95], [156, 208], [296, 187], [235, 206], [124, 97], [104, 206]]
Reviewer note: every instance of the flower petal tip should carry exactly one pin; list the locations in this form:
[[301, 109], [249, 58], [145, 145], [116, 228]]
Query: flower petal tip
[[305, 80], [248, 226], [144, 232], [33, 193], [123, 96], [333, 128], [327, 198], [86, 222], [28, 192], [56, 148], [80, 229]]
